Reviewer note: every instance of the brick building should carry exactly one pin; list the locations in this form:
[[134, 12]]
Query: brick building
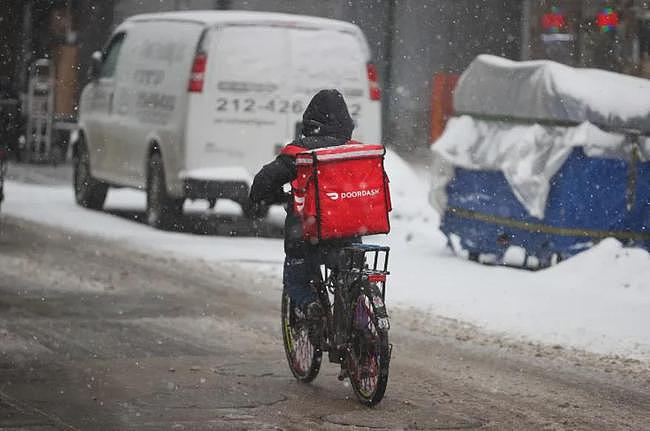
[[64, 31]]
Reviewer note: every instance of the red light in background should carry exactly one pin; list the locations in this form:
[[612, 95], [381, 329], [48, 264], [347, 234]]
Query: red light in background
[[607, 19], [553, 21]]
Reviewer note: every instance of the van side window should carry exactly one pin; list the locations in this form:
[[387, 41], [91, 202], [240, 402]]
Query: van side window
[[112, 53]]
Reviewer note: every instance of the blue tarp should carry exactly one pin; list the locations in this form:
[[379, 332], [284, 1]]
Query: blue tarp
[[589, 199]]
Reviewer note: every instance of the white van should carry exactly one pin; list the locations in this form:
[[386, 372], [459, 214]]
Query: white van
[[189, 105]]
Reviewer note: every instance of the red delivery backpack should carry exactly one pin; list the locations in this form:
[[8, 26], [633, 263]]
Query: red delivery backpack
[[342, 191]]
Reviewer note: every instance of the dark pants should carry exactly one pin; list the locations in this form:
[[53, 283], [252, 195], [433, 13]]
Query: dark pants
[[302, 269], [298, 274]]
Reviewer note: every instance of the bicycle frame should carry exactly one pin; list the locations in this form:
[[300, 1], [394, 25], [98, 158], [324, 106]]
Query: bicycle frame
[[357, 263]]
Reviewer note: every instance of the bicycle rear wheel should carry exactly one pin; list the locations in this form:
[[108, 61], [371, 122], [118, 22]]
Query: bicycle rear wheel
[[303, 354], [370, 357]]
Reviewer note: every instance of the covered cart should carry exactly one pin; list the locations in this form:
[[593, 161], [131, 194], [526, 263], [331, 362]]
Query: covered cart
[[543, 160]]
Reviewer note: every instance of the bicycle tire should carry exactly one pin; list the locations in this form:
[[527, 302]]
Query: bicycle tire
[[303, 357], [369, 373]]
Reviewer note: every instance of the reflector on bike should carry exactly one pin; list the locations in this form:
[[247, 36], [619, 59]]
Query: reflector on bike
[[376, 278], [342, 191]]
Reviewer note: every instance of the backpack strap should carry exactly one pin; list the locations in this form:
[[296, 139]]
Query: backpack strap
[[292, 150]]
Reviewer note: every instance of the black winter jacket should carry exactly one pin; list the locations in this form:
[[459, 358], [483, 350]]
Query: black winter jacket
[[326, 123]]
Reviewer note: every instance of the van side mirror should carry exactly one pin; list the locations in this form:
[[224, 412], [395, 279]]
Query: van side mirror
[[95, 65]]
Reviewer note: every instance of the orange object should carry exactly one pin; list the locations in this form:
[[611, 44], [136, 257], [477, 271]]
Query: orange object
[[442, 102], [66, 57]]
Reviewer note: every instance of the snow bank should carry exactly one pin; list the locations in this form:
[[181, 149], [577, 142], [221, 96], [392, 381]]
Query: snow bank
[[597, 301], [55, 206], [408, 192]]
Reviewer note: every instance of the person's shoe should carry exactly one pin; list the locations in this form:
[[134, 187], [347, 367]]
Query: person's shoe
[[343, 373], [309, 311], [312, 310], [298, 313], [308, 316]]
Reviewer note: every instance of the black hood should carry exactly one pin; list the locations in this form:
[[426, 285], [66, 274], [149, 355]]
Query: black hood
[[327, 115]]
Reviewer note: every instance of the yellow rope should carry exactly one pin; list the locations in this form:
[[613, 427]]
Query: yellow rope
[[542, 228]]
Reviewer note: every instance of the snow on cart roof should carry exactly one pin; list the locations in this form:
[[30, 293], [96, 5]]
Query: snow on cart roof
[[545, 91]]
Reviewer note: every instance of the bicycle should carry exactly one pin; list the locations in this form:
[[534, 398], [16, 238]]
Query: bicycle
[[354, 326]]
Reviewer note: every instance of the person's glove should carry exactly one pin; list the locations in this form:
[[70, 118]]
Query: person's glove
[[281, 197], [258, 209]]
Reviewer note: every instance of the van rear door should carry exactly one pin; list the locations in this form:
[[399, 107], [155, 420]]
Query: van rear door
[[331, 57], [257, 83], [241, 117]]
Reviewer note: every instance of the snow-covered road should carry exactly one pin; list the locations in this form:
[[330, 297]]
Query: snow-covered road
[[597, 301]]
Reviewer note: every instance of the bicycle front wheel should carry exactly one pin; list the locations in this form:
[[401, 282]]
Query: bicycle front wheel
[[369, 359], [303, 352]]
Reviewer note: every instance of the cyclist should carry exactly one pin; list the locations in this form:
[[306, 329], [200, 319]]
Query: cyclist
[[325, 123]]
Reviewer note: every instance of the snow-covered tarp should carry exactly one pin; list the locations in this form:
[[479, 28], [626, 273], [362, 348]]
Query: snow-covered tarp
[[546, 91], [524, 119]]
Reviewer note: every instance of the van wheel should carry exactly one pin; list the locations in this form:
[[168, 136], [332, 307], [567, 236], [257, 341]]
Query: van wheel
[[163, 211], [88, 192]]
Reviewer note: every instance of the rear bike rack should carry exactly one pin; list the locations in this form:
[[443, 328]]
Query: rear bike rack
[[368, 261]]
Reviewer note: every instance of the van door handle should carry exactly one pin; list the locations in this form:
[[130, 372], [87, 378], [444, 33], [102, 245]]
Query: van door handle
[[110, 103]]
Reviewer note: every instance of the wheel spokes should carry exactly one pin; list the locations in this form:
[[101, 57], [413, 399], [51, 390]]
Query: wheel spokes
[[303, 351], [367, 361]]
